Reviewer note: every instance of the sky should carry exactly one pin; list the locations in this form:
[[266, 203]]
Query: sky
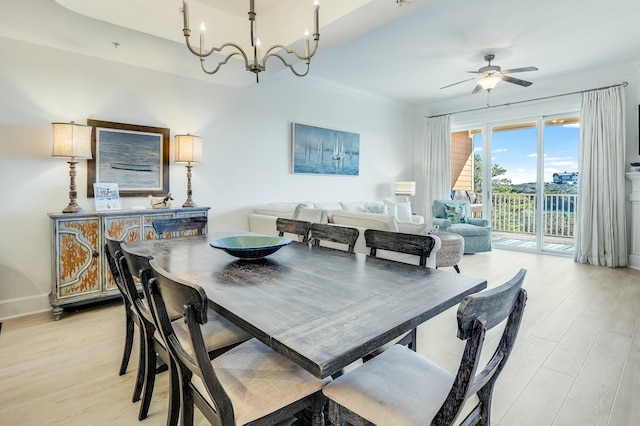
[[516, 151]]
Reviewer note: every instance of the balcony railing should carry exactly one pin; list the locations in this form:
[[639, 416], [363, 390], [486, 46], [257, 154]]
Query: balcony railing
[[516, 214]]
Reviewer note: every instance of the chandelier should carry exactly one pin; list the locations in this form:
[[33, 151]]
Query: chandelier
[[258, 63]]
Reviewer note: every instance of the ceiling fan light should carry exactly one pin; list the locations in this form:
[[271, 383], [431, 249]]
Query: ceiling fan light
[[488, 83]]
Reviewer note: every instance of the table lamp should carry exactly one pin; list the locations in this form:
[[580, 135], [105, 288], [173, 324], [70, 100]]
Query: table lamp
[[73, 141], [405, 189], [188, 151]]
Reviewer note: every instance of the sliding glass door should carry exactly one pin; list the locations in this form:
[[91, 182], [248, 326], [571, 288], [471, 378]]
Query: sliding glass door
[[525, 174]]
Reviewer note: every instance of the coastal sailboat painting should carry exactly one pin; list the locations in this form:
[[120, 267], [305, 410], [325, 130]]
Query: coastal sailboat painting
[[317, 150]]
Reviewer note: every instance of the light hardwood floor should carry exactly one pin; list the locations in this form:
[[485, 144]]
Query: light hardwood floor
[[576, 361]]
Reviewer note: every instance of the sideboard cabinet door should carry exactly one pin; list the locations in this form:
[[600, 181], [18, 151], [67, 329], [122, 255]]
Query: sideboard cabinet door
[[77, 261]]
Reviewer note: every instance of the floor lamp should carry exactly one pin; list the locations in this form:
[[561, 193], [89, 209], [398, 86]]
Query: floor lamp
[[188, 151], [73, 141]]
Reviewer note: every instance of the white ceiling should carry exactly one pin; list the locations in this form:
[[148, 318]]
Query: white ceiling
[[371, 46]]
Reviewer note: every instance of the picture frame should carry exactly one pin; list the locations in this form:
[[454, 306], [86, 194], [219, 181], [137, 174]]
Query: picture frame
[[318, 150], [133, 156]]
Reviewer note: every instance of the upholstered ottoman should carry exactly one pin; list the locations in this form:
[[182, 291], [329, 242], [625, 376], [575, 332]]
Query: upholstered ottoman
[[451, 250]]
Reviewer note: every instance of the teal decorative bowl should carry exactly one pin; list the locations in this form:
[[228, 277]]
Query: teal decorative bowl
[[251, 246]]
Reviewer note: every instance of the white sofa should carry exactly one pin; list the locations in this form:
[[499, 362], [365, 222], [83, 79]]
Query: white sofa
[[352, 214]]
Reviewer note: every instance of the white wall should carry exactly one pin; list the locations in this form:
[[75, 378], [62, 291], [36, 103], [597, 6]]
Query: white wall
[[246, 147]]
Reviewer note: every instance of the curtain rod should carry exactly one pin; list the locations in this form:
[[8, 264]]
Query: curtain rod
[[624, 84]]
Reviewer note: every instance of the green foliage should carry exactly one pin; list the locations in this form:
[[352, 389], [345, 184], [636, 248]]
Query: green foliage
[[501, 185]]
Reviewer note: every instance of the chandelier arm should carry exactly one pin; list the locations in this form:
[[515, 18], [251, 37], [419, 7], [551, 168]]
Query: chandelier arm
[[221, 63], [293, 70], [293, 52]]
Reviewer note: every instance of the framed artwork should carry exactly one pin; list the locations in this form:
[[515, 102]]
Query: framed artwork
[[132, 156], [316, 150]]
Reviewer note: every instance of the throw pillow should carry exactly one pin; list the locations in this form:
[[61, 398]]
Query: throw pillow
[[311, 215], [376, 208], [404, 211], [455, 213], [401, 211]]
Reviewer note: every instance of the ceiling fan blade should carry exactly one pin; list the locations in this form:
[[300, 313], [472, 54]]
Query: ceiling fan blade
[[516, 81], [477, 89], [444, 87], [519, 70]]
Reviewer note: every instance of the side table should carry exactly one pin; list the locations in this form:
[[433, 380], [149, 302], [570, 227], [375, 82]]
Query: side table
[[450, 251]]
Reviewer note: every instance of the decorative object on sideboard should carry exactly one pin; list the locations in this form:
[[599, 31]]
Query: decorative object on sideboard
[[73, 141], [188, 151], [258, 64], [107, 196], [634, 167], [160, 202], [405, 189], [133, 156]]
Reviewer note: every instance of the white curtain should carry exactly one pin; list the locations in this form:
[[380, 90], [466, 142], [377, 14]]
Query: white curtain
[[601, 237], [435, 178]]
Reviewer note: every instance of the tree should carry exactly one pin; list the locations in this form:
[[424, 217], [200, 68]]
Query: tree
[[498, 185]]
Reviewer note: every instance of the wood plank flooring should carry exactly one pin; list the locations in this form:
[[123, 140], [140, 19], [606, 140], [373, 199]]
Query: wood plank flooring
[[576, 361]]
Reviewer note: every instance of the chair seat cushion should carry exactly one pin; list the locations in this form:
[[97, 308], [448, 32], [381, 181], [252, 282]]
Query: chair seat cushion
[[259, 381], [218, 333], [398, 387], [466, 229]]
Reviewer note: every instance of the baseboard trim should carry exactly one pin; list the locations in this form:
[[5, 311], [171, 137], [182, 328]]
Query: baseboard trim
[[22, 306]]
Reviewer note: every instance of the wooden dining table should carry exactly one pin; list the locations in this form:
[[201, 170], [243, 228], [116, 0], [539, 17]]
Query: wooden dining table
[[322, 308]]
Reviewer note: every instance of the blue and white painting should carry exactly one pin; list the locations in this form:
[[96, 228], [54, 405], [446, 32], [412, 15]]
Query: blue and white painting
[[132, 159], [317, 150]]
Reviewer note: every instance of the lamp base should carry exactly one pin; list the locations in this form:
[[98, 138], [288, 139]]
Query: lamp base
[[73, 207], [189, 203]]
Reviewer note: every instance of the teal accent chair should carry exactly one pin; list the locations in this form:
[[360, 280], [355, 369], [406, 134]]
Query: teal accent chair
[[476, 232]]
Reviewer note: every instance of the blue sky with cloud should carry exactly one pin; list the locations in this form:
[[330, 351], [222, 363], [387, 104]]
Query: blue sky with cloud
[[516, 151]]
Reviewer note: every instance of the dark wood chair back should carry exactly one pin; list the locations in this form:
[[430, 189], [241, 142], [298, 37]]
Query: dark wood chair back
[[292, 226], [336, 234], [477, 314], [180, 225], [418, 245], [150, 347], [112, 252], [171, 296]]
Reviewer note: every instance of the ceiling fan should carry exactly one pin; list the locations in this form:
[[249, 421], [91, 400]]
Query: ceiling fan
[[491, 75]]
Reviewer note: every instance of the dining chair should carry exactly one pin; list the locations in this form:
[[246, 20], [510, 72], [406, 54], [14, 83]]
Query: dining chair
[[183, 225], [418, 245], [112, 250], [249, 384], [335, 234], [293, 226], [401, 387], [220, 335]]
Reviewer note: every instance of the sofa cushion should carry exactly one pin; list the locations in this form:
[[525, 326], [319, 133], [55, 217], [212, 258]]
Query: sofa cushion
[[468, 230], [401, 211], [327, 205], [413, 228], [357, 206], [381, 222], [277, 210]]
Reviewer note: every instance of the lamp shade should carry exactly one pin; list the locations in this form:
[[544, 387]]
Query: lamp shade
[[405, 188], [188, 149], [71, 140]]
